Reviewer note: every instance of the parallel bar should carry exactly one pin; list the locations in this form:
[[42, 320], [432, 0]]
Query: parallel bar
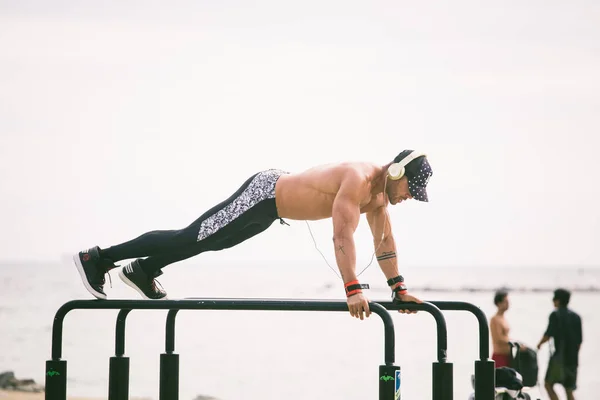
[[484, 330], [485, 380], [170, 332], [118, 378], [219, 304], [56, 380], [169, 377], [442, 332], [120, 333], [442, 381]]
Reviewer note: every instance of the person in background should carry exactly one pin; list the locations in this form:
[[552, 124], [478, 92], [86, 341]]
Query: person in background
[[565, 328], [500, 331]]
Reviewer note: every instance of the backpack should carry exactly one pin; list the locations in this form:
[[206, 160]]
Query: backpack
[[525, 363]]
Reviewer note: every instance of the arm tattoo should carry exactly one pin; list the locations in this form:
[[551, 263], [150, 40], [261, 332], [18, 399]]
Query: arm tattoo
[[340, 247], [386, 255]]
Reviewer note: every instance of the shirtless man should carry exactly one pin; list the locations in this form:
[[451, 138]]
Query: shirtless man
[[341, 191], [500, 329]]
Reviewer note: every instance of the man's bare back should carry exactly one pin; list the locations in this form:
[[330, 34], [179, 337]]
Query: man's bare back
[[309, 195]]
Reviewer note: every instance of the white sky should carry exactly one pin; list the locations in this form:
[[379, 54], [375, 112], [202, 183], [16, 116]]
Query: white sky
[[119, 117]]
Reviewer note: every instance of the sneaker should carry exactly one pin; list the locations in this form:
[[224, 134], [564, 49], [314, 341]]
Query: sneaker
[[134, 276], [92, 269]]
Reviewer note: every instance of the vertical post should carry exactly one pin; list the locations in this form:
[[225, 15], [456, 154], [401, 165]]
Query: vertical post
[[485, 380], [118, 378], [169, 363], [118, 369], [442, 381], [56, 380], [169, 377], [389, 382]]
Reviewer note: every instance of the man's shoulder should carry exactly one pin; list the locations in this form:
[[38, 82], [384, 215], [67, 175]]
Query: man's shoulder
[[572, 314]]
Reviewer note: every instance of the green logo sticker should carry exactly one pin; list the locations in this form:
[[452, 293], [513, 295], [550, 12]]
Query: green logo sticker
[[386, 378], [52, 373]]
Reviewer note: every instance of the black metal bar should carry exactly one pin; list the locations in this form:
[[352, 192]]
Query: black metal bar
[[442, 332], [485, 380], [220, 304], [389, 382], [484, 330], [485, 377], [118, 368], [118, 378], [56, 380], [120, 332], [169, 377], [170, 332], [169, 362], [442, 382]]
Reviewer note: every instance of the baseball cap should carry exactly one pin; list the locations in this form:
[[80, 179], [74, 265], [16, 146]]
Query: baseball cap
[[418, 172]]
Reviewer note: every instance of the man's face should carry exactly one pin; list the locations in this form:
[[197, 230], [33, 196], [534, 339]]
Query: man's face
[[397, 191], [504, 304]]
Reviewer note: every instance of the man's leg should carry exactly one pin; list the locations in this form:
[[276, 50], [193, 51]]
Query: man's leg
[[94, 263], [140, 273], [245, 216], [554, 374], [168, 243], [570, 383], [550, 389]]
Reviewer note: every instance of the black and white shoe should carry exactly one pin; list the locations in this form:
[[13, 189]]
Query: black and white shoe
[[145, 284], [92, 269]]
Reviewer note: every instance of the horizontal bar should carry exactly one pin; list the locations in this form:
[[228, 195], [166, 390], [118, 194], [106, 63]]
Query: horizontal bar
[[219, 304]]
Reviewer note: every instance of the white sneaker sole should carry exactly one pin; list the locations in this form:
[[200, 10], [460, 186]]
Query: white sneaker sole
[[132, 285], [84, 278]]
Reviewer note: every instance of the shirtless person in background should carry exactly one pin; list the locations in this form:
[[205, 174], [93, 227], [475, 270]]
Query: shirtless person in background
[[500, 332], [341, 191]]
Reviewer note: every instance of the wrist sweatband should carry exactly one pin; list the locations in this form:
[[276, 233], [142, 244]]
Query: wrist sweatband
[[354, 287], [394, 280]]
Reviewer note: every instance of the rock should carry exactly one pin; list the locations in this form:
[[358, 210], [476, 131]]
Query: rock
[[9, 382], [201, 397], [5, 378]]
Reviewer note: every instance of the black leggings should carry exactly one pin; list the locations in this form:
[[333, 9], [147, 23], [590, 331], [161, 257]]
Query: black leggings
[[246, 219]]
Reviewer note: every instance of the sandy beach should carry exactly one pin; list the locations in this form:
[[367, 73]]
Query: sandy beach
[[14, 395]]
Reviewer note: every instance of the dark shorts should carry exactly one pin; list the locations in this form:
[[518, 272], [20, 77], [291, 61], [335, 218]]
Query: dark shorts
[[565, 375]]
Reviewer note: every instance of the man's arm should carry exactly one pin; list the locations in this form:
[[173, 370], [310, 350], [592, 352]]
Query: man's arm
[[345, 216], [385, 250], [383, 240], [550, 330]]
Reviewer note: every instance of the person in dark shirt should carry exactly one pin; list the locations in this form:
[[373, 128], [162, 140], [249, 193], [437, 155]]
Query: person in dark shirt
[[564, 327]]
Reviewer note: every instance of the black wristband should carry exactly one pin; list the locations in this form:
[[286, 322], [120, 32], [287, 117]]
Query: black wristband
[[395, 292], [394, 280], [356, 286]]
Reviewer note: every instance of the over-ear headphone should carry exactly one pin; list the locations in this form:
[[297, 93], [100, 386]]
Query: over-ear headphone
[[397, 171]]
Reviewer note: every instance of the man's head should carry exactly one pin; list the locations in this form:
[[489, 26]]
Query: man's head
[[561, 298], [408, 176], [501, 300]]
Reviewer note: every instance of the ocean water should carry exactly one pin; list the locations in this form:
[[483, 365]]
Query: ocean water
[[281, 355]]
